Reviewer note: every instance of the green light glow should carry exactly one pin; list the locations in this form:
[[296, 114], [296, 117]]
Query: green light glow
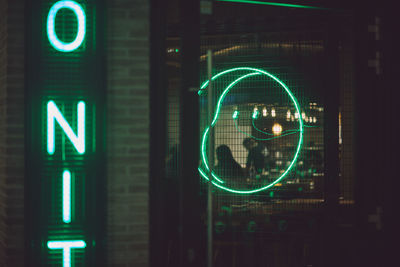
[[66, 246], [67, 196], [217, 182], [255, 114], [272, 4], [266, 139], [254, 126], [203, 144], [225, 92], [205, 84], [77, 140], [235, 114], [218, 109], [267, 133], [51, 33]]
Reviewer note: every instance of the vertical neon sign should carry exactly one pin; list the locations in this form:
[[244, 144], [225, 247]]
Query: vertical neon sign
[[65, 150], [55, 115], [78, 141], [51, 32]]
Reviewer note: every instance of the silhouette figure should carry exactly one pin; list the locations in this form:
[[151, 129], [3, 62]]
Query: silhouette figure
[[255, 159], [227, 167]]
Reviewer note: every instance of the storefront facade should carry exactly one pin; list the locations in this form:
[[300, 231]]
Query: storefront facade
[[108, 117]]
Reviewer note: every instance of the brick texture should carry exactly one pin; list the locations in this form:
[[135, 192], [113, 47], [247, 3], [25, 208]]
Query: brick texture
[[3, 74], [11, 132], [128, 132]]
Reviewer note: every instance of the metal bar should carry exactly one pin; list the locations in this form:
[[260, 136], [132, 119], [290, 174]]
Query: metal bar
[[210, 160], [158, 140], [191, 245]]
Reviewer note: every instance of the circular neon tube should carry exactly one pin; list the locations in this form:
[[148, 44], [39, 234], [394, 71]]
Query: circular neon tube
[[217, 181], [51, 33]]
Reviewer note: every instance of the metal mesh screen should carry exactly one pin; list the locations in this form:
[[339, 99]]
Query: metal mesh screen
[[276, 226], [346, 120], [267, 125], [256, 108]]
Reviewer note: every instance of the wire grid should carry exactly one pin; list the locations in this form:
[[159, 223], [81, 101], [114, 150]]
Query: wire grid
[[245, 225], [286, 59], [296, 58], [346, 120], [255, 227]]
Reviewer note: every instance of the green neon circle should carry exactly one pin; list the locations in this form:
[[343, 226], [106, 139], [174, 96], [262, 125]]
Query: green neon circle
[[217, 181]]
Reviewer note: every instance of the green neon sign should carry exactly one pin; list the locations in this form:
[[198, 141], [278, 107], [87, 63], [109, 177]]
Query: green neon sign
[[66, 246], [78, 141], [272, 4], [66, 196], [54, 114], [51, 32], [204, 169], [65, 169], [285, 133]]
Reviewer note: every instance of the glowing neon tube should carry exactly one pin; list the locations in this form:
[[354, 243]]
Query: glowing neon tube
[[51, 32], [66, 246]]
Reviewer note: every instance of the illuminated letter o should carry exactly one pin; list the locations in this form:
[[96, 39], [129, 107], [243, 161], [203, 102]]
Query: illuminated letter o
[[51, 34]]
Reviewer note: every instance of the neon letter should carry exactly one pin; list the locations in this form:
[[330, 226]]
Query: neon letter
[[66, 247], [54, 113], [67, 196], [51, 33]]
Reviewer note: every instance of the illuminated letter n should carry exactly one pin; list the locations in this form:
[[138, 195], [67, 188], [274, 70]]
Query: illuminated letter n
[[54, 114]]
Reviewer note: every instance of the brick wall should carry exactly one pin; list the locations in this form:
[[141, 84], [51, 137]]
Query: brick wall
[[3, 73], [11, 132], [128, 132]]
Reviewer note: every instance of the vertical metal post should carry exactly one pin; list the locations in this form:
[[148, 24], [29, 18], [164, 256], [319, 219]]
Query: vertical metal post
[[191, 246], [158, 104], [210, 161], [331, 144]]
